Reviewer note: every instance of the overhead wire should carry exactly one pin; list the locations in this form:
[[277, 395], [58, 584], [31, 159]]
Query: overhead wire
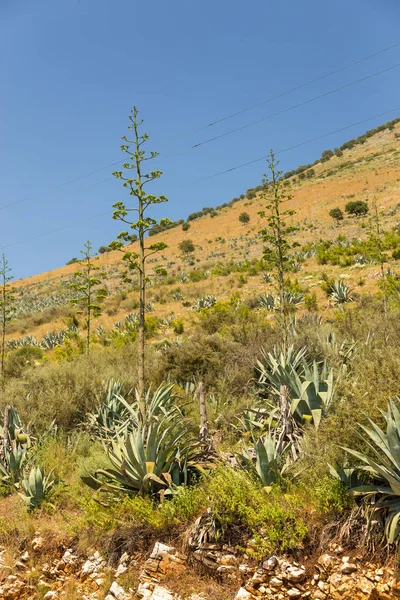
[[231, 115], [231, 169], [290, 108]]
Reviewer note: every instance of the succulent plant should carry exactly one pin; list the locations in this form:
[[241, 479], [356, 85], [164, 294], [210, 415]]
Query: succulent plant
[[381, 466], [340, 292], [36, 487], [205, 302]]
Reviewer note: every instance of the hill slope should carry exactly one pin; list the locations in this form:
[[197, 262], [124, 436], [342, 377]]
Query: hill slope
[[367, 171]]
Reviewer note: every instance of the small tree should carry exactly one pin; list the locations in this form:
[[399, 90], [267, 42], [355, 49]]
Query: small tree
[[6, 310], [337, 214], [186, 247], [185, 226], [244, 218], [104, 249], [138, 228], [326, 155], [357, 208], [86, 284], [275, 234]]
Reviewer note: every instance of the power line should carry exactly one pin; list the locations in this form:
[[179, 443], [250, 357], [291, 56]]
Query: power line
[[286, 110], [280, 95], [251, 162], [302, 85], [320, 137]]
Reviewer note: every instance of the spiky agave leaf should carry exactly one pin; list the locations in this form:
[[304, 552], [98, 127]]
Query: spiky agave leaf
[[36, 487], [146, 460], [268, 459], [383, 466]]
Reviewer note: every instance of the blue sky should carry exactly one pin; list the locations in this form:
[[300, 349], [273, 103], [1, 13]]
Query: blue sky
[[72, 69]]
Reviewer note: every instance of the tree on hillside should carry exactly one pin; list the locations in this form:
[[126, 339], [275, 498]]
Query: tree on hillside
[[104, 249], [357, 208], [185, 226], [86, 285], [337, 214], [275, 234], [244, 218], [140, 226], [7, 301], [186, 247]]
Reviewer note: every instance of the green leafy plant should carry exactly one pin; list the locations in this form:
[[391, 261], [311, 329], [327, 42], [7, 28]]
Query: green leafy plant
[[36, 487], [382, 465], [310, 387], [336, 214], [86, 285], [340, 292], [267, 460], [149, 460], [357, 208]]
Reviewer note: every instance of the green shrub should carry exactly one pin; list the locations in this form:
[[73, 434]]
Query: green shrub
[[336, 213], [18, 360], [357, 208]]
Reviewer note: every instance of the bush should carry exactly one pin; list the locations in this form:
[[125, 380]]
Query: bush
[[396, 254], [357, 208], [186, 247], [18, 360], [244, 218], [185, 226], [210, 359], [336, 213], [103, 249], [326, 155]]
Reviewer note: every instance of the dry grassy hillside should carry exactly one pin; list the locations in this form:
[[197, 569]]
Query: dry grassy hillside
[[368, 171]]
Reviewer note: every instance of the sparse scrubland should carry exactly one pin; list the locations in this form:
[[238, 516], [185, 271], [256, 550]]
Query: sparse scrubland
[[271, 372]]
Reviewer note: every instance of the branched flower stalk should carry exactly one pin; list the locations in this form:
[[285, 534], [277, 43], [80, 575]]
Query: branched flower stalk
[[140, 226], [275, 235]]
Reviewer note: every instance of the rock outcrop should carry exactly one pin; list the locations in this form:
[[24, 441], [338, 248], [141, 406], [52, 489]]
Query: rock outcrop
[[333, 576]]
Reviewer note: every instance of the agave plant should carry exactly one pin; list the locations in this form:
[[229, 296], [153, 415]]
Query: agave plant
[[382, 464], [52, 339], [292, 298], [112, 411], [268, 459], [36, 487], [11, 465], [276, 368], [340, 292], [267, 301], [116, 414], [207, 301], [151, 460], [310, 387]]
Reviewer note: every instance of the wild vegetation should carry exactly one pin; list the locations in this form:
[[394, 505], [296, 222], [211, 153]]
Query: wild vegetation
[[250, 381]]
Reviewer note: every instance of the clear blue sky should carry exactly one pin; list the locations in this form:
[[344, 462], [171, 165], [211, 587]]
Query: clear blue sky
[[72, 69]]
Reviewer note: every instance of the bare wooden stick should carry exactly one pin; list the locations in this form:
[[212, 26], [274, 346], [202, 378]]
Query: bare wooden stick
[[204, 434], [6, 432]]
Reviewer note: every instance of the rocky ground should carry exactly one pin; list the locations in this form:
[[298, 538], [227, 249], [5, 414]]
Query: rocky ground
[[71, 576]]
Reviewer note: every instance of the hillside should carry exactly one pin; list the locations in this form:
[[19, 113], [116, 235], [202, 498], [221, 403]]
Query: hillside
[[262, 459], [368, 171]]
